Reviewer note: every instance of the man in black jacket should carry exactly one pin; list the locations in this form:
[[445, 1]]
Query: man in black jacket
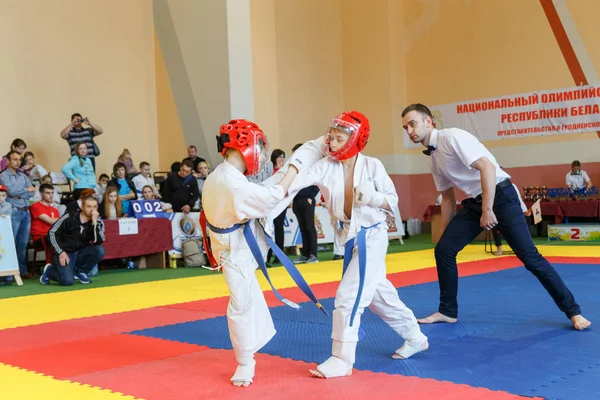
[[181, 189], [76, 239]]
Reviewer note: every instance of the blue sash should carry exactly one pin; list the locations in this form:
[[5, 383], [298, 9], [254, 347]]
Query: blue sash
[[361, 241], [287, 263]]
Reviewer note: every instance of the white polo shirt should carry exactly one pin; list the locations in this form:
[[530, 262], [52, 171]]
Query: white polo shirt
[[451, 162], [578, 180]]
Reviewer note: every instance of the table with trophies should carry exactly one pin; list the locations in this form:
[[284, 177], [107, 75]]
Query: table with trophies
[[557, 205], [564, 202]]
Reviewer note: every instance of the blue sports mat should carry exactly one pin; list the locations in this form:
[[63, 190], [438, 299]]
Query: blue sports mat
[[510, 336]]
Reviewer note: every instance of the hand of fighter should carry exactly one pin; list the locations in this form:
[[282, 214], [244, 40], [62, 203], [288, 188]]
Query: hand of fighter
[[365, 194], [186, 209], [63, 259], [488, 220]]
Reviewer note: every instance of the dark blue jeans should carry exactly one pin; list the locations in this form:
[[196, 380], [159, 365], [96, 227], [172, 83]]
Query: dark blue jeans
[[82, 260], [464, 228]]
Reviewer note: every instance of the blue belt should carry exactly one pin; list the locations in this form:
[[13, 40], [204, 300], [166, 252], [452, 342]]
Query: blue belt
[[287, 263], [361, 241]]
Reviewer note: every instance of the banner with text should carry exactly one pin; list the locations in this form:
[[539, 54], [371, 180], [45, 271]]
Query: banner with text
[[545, 112]]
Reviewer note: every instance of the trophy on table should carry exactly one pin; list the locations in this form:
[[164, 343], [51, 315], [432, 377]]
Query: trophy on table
[[535, 195], [544, 193], [526, 193]]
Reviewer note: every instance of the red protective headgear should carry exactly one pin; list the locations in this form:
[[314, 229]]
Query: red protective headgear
[[247, 138], [357, 126]]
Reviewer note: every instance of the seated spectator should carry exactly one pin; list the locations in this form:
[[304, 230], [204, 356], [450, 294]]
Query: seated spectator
[[175, 167], [5, 206], [148, 194], [47, 179], [203, 170], [75, 205], [144, 178], [192, 156], [101, 187], [33, 170], [126, 159], [577, 178], [76, 240], [79, 169], [19, 146], [43, 216], [112, 208], [181, 189], [125, 187]]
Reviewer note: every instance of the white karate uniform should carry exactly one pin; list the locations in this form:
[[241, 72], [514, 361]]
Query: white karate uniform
[[140, 181], [229, 199], [577, 181], [378, 293]]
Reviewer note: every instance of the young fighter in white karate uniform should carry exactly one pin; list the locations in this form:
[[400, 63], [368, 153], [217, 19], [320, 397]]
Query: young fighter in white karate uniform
[[229, 200], [359, 193]]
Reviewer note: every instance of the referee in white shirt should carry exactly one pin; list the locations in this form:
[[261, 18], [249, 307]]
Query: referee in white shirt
[[577, 178], [459, 159]]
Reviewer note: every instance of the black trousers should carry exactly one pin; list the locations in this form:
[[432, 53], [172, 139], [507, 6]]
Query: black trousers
[[305, 214], [279, 235], [464, 227]]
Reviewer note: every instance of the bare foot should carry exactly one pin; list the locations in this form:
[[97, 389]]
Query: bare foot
[[244, 374], [333, 367], [499, 253], [318, 374], [407, 350], [579, 322], [437, 317]]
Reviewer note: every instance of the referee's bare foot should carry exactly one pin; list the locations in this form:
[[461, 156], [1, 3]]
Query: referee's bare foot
[[579, 322], [437, 317]]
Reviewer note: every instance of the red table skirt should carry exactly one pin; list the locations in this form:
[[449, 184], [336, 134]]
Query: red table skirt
[[549, 209], [580, 208], [154, 236]]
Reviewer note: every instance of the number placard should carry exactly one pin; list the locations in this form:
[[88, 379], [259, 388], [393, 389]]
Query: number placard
[[146, 208]]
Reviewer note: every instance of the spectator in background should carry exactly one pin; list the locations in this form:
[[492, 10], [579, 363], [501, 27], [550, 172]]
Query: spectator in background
[[18, 146], [31, 169], [181, 189], [203, 169], [277, 161], [101, 186], [76, 240], [112, 208], [126, 159], [576, 178], [75, 205], [304, 208], [80, 170], [5, 206], [5, 212], [125, 187], [47, 179], [76, 133], [20, 190], [43, 216], [148, 194], [192, 156], [144, 178]]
